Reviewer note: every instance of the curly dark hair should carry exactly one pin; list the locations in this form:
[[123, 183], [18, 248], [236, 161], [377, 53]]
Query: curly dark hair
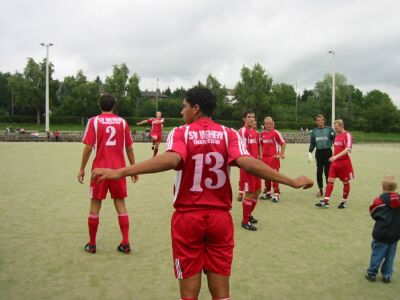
[[203, 97]]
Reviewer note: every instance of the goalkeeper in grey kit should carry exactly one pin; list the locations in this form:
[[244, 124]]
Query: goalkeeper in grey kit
[[322, 138]]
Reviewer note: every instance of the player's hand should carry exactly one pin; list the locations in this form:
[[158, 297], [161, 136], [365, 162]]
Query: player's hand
[[100, 174], [81, 175], [135, 178], [302, 182], [309, 157], [332, 158], [277, 156], [282, 155]]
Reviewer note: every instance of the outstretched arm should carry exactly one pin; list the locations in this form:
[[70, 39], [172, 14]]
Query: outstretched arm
[[160, 163], [141, 123], [261, 170]]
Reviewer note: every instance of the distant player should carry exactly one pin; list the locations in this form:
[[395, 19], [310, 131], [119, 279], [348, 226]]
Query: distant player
[[322, 138], [202, 228], [109, 135], [341, 166], [157, 124], [272, 147], [252, 184]]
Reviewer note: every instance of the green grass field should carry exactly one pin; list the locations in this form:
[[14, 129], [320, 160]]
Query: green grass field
[[299, 251]]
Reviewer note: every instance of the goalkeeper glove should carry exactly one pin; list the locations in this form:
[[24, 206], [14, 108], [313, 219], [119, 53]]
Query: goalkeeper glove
[[309, 157]]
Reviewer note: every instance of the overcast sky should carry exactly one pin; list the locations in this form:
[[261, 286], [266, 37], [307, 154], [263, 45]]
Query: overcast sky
[[181, 41]]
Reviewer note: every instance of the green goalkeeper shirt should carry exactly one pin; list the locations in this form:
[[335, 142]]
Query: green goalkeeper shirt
[[322, 138]]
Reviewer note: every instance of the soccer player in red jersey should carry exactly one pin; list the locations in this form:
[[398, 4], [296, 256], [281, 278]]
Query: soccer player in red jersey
[[157, 124], [272, 147], [202, 228], [341, 166], [109, 135], [252, 184]]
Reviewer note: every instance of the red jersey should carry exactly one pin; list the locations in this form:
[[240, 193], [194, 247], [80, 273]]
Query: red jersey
[[271, 141], [343, 141], [156, 125], [109, 135], [251, 140], [207, 150]]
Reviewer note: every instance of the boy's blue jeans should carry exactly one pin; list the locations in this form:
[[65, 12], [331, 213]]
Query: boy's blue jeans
[[380, 252]]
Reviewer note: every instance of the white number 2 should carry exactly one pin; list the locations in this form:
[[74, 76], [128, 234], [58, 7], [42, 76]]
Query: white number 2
[[198, 171], [112, 131]]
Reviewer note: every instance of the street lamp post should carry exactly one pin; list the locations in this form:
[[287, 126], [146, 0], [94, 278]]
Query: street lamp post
[[157, 95], [47, 85], [333, 86]]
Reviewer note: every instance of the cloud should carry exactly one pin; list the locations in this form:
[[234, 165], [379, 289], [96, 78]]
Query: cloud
[[180, 42]]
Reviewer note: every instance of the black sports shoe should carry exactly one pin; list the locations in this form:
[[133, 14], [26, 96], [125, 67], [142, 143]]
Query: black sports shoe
[[322, 204], [126, 248], [275, 199], [266, 196], [249, 226], [342, 204], [239, 198], [386, 279], [252, 220], [90, 248], [370, 277], [152, 147]]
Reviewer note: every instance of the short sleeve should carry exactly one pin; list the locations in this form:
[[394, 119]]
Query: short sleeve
[[149, 121], [89, 138], [236, 147], [176, 142], [279, 138], [128, 136]]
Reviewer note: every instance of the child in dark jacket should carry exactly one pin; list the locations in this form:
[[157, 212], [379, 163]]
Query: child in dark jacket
[[385, 210]]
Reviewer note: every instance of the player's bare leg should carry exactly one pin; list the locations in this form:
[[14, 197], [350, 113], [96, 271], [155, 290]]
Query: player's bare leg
[[123, 220], [93, 224], [190, 287], [328, 191], [248, 204], [218, 285]]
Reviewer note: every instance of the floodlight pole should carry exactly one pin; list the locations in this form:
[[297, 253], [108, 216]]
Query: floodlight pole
[[47, 86], [333, 86], [157, 95], [296, 104]]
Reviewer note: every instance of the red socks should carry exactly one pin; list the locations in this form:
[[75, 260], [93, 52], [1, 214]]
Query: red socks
[[346, 190], [268, 185], [247, 205], [253, 205], [123, 220], [93, 224], [328, 191], [276, 188]]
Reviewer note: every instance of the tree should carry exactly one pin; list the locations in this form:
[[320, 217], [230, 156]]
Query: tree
[[5, 93], [219, 92], [253, 90], [79, 97], [116, 84], [130, 106]]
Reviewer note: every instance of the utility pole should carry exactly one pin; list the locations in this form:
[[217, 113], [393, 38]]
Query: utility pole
[[47, 86]]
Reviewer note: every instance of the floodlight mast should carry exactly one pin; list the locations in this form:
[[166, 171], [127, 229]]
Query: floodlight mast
[[47, 113], [333, 86]]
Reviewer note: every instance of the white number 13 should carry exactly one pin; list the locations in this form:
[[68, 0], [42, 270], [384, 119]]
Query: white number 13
[[198, 171]]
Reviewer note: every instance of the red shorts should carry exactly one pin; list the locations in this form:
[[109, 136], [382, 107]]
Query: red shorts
[[251, 183], [202, 240], [116, 187], [156, 137], [272, 162], [342, 169]]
